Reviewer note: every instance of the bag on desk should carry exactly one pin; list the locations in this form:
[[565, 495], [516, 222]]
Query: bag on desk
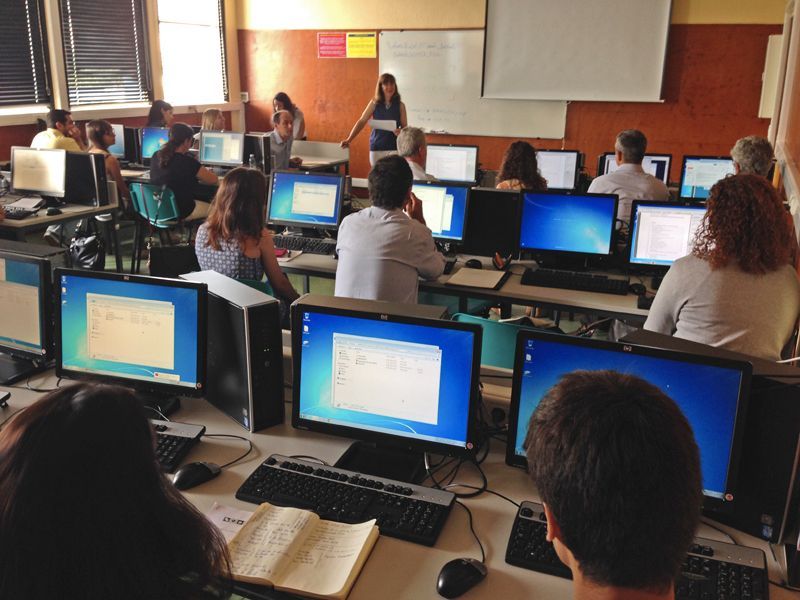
[[87, 251]]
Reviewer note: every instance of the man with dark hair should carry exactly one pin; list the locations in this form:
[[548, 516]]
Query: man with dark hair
[[61, 133], [618, 472], [385, 248], [280, 141]]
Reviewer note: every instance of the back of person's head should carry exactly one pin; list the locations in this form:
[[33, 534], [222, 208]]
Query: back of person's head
[[85, 511], [95, 130], [179, 134], [753, 154], [410, 141], [389, 182], [746, 224], [56, 116], [519, 162], [285, 101], [386, 78], [210, 117], [633, 145], [279, 115], [615, 461], [237, 212], [155, 118]]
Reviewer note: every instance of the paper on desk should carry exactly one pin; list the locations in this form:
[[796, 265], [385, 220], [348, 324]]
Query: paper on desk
[[228, 520], [384, 124], [480, 278], [292, 254], [28, 202]]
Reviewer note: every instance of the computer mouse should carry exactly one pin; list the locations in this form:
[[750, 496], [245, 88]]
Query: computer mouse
[[460, 575], [637, 288], [192, 474], [473, 263], [53, 211]]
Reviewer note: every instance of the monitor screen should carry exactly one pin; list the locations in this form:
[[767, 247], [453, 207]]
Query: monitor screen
[[141, 331], [38, 171], [380, 377], [306, 199], [655, 164], [452, 163], [152, 140], [700, 173], [662, 233], [118, 149], [492, 222], [711, 392], [578, 223], [444, 208], [559, 168], [222, 148], [24, 304]]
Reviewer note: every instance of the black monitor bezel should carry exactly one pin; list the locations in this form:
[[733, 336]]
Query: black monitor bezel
[[133, 145], [448, 184], [688, 157], [474, 179], [578, 166], [515, 225], [306, 224], [46, 302], [603, 158], [144, 386], [709, 503], [48, 193], [634, 217], [219, 163], [146, 160], [397, 442]]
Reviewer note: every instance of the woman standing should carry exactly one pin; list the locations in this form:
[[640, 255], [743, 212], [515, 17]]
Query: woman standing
[[520, 170], [281, 101]]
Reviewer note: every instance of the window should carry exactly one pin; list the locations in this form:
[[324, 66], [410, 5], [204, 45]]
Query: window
[[193, 51], [23, 76], [104, 51]]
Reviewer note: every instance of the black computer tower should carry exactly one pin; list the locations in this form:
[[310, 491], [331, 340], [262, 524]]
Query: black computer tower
[[258, 145], [245, 352]]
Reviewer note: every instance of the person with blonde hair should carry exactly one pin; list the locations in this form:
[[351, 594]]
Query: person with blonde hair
[[213, 120]]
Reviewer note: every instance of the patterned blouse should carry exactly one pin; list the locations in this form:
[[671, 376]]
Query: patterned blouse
[[228, 260]]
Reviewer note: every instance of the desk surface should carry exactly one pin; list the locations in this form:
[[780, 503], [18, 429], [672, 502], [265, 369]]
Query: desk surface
[[69, 212], [408, 570]]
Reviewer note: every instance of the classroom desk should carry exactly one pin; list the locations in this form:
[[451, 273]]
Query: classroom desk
[[396, 569]]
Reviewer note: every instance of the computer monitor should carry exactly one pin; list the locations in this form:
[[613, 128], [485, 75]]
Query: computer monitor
[[86, 180], [700, 173], [662, 232], [133, 149], [444, 206], [257, 145], [152, 140], [452, 162], [559, 168], [711, 392], [577, 224], [493, 218], [118, 149], [655, 164], [222, 148], [144, 332], [306, 199], [35, 171]]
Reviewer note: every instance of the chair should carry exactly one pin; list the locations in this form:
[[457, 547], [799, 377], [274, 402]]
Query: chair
[[499, 340], [156, 206]]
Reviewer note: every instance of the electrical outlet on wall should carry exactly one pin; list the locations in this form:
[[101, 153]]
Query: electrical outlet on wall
[[244, 96]]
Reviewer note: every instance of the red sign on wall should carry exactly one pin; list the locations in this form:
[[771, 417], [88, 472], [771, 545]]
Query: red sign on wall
[[332, 44]]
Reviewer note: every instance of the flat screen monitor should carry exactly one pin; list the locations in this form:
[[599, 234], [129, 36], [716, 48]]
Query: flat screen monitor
[[559, 168], [118, 148], [152, 140], [25, 305], [35, 171], [144, 332], [655, 164], [661, 232], [306, 199], [567, 223], [493, 218], [444, 207], [711, 392], [700, 173], [222, 148], [451, 162]]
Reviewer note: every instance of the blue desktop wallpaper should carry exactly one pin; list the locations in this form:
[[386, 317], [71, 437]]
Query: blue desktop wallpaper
[[567, 223], [707, 395], [280, 206], [456, 376], [699, 191], [152, 140], [24, 273], [73, 327], [458, 217]]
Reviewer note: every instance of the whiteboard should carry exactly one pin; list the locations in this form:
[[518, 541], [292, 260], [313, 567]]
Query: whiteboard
[[439, 78]]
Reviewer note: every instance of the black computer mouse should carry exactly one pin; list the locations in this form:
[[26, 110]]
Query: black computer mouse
[[460, 575], [192, 474], [52, 211], [473, 263], [637, 288]]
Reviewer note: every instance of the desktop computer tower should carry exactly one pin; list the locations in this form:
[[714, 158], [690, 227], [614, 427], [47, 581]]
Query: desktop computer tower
[[245, 352], [258, 146]]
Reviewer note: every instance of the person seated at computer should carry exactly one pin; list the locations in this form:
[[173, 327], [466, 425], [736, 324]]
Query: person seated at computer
[[622, 519], [520, 169], [101, 137], [61, 133], [233, 240], [281, 101], [213, 120], [412, 146], [737, 289], [174, 167], [86, 512], [280, 141], [629, 181], [160, 115], [382, 249], [752, 154]]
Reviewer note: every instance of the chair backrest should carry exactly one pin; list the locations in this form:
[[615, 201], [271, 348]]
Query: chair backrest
[[155, 204], [499, 340]]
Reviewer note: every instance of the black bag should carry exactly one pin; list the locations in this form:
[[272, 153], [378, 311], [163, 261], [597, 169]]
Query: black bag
[[171, 261], [87, 251]]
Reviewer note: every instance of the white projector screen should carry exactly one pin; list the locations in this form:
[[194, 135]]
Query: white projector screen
[[575, 49]]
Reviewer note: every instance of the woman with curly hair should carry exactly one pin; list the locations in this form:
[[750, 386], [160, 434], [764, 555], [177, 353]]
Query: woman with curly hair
[[737, 289], [519, 169]]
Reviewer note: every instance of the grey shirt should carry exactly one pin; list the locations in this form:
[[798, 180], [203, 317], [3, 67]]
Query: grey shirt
[[381, 255], [630, 183], [726, 307], [280, 150]]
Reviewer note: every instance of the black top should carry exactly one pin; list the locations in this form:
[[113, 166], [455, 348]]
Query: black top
[[180, 175]]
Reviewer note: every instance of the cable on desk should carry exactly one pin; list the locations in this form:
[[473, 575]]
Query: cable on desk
[[157, 411], [41, 390], [506, 498], [722, 531], [312, 458], [472, 529], [238, 437]]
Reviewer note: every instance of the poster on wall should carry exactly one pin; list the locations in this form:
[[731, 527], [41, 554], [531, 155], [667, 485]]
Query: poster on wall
[[331, 44], [362, 45]]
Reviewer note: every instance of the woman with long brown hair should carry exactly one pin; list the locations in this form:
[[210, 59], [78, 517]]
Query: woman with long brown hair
[[520, 170], [737, 289], [101, 137]]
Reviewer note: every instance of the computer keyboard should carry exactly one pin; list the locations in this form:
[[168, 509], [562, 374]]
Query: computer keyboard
[[173, 442], [310, 245], [403, 510], [711, 570], [572, 280], [18, 212]]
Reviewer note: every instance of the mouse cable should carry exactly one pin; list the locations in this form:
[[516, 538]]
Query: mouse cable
[[472, 529], [157, 411], [464, 485], [477, 490], [238, 437], [41, 390]]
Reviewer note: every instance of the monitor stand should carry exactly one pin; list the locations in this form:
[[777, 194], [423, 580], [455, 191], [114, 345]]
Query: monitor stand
[[13, 368], [162, 403], [383, 461]]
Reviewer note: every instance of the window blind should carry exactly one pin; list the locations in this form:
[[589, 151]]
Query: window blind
[[24, 78]]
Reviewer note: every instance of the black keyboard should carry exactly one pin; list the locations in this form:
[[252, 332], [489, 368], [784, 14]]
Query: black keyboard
[[310, 245], [402, 510], [17, 212], [173, 442], [572, 280], [711, 570]]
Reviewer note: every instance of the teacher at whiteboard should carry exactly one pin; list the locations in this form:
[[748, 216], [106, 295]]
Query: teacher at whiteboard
[[384, 106]]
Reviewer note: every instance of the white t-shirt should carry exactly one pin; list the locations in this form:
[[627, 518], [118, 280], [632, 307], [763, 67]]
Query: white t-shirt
[[630, 183]]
